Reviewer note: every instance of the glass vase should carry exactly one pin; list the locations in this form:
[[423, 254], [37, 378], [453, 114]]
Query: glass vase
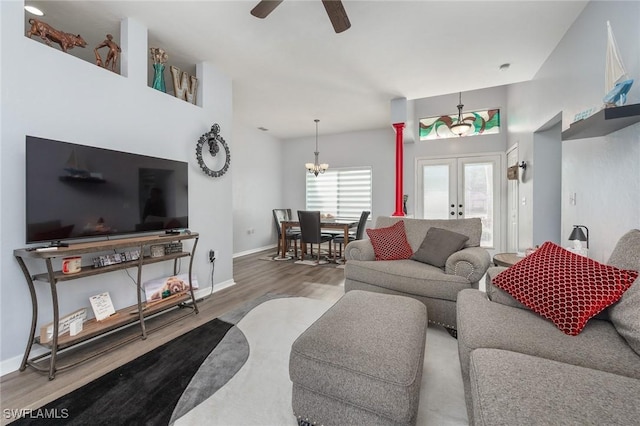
[[158, 77]]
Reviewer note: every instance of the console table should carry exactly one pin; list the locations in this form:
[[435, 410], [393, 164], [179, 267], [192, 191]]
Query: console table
[[122, 317]]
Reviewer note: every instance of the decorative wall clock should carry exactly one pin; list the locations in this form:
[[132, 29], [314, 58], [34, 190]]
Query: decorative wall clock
[[214, 142]]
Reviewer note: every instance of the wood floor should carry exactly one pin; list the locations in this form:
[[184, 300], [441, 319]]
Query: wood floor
[[253, 277]]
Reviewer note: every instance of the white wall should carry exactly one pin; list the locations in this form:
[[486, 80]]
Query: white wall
[[494, 97], [53, 95], [259, 174], [374, 148], [602, 171]]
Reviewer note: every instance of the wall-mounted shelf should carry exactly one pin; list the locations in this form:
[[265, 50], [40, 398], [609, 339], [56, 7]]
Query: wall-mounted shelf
[[603, 122]]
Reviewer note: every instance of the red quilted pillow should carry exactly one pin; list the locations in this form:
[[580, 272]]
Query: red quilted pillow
[[564, 287], [390, 243]]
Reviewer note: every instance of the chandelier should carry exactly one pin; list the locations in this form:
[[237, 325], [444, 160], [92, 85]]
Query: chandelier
[[461, 127], [315, 167]]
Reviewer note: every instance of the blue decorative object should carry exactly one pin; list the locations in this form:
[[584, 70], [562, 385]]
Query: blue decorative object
[[618, 95], [158, 77]]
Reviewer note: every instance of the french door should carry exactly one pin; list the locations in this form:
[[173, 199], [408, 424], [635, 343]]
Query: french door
[[462, 187]]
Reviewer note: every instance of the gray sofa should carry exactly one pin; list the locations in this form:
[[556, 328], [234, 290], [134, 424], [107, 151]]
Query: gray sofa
[[518, 368], [435, 287]]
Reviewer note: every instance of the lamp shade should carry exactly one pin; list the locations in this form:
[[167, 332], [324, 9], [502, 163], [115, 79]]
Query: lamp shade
[[577, 234]]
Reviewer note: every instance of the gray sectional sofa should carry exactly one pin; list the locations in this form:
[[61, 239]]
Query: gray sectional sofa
[[436, 287], [518, 368]]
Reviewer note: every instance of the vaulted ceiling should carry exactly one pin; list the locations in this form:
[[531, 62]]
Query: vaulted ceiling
[[291, 67]]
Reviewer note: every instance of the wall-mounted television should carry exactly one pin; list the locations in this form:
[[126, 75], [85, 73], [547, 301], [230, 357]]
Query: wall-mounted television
[[76, 191]]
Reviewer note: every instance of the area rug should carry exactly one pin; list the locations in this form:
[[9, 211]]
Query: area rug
[[234, 370], [327, 262], [260, 392], [143, 391]]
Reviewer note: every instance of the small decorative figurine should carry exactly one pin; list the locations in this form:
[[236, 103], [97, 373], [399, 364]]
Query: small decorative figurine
[[112, 56], [48, 34]]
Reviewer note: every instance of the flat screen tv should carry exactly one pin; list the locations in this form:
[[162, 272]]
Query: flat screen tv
[[76, 191]]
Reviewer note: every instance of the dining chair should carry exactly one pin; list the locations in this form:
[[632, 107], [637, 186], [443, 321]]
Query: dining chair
[[311, 231], [278, 216], [339, 239]]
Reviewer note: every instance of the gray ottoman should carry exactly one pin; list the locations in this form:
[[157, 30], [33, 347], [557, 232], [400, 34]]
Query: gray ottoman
[[361, 362]]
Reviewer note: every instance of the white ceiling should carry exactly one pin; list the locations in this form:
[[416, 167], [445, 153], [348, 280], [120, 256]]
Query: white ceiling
[[291, 68]]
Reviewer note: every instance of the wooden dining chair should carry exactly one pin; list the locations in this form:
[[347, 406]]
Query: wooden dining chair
[[311, 232], [362, 224], [278, 216]]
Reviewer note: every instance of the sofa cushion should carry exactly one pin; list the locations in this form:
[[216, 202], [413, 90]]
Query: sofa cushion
[[438, 245], [416, 229], [564, 287], [625, 314], [486, 324], [390, 243], [407, 276], [510, 388]]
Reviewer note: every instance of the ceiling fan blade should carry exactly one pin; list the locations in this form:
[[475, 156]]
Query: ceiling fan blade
[[337, 15], [264, 8]]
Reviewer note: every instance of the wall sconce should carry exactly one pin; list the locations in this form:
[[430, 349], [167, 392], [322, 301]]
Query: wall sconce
[[577, 236]]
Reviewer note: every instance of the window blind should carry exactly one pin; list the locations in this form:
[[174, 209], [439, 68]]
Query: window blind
[[344, 193]]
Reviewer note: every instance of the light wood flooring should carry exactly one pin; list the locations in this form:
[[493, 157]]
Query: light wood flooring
[[253, 277]]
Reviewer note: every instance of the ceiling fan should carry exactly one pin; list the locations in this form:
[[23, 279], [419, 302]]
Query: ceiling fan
[[334, 8]]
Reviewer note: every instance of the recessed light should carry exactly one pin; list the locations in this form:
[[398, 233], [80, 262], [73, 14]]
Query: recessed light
[[34, 10], [504, 67]]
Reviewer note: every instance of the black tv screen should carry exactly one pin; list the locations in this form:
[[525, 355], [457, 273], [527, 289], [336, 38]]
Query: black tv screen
[[76, 191]]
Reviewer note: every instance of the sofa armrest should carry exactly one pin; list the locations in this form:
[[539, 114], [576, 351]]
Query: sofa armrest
[[359, 250], [498, 295], [470, 263]]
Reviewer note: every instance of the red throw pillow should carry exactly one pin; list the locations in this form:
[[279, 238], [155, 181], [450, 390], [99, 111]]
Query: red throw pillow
[[390, 243], [564, 287]]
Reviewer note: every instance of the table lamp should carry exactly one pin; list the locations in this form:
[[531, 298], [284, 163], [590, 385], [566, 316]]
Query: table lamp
[[577, 236]]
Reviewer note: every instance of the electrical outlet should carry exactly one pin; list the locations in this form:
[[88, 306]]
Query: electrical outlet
[[212, 256]]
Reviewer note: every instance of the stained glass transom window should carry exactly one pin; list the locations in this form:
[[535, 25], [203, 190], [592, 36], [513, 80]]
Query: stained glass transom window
[[482, 123]]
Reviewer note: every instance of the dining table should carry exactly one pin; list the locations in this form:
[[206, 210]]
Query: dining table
[[332, 224]]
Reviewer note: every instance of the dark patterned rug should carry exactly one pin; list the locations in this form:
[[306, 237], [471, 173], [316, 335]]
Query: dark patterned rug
[[147, 390]]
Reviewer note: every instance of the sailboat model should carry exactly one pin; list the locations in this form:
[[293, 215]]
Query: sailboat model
[[76, 167], [617, 83]]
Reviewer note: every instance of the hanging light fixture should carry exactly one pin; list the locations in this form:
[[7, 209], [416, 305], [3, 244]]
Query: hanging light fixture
[[315, 167], [461, 127]]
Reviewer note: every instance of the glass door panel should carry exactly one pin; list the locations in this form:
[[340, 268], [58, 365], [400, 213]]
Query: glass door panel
[[478, 189], [436, 191], [465, 187]]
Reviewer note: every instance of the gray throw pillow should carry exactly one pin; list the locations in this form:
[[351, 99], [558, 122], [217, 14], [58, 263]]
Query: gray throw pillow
[[625, 314], [438, 245]]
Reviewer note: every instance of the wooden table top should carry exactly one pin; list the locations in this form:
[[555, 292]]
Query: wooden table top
[[506, 259]]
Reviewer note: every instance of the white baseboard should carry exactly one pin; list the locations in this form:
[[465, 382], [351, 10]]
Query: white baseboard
[[255, 250], [13, 364]]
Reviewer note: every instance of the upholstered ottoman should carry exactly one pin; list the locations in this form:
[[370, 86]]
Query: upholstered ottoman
[[361, 362]]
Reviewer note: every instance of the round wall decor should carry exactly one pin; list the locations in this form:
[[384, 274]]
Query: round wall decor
[[214, 141]]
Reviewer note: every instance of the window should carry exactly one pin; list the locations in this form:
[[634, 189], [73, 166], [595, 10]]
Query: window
[[483, 123], [344, 193]]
